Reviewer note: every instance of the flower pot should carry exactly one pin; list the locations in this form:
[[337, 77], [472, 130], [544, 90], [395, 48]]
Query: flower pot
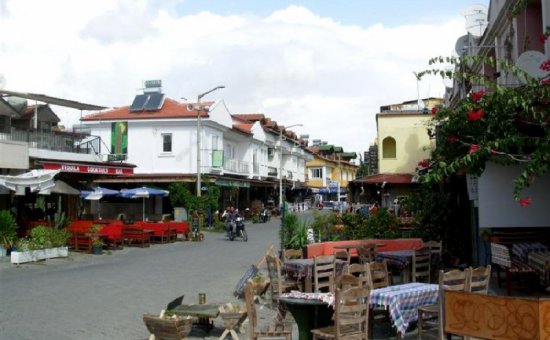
[[18, 257]]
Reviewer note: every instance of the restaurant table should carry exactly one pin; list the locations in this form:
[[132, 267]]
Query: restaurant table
[[403, 300], [309, 310], [302, 269], [540, 261], [400, 260], [202, 311]]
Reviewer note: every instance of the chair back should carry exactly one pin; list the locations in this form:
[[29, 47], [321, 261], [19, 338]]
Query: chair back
[[435, 246], [367, 253], [324, 271], [456, 280], [361, 271], [343, 255], [478, 281], [346, 281], [275, 278], [421, 264], [250, 309], [290, 254], [351, 314], [379, 276]]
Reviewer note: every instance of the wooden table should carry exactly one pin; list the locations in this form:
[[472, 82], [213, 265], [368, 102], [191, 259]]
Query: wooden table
[[203, 312], [309, 313], [400, 260], [302, 269], [402, 302]]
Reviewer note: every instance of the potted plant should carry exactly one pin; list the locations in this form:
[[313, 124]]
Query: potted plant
[[97, 242], [8, 230], [43, 243]]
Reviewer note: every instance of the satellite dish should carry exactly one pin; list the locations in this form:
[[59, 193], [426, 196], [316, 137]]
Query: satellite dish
[[2, 81], [529, 62], [476, 19], [461, 45]]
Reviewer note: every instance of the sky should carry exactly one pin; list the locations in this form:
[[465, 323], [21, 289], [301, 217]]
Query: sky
[[328, 65]]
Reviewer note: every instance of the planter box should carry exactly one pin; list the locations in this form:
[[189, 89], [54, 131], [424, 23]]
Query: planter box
[[18, 257]]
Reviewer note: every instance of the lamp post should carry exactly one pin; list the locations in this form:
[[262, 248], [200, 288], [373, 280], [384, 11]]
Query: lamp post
[[198, 108], [281, 185]]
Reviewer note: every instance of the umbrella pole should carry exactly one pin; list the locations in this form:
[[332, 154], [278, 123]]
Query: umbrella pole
[[143, 209]]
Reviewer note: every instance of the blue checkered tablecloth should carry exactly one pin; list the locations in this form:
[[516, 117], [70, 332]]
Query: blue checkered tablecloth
[[522, 249], [402, 301], [300, 268]]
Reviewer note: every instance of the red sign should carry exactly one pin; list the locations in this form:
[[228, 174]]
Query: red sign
[[89, 169]]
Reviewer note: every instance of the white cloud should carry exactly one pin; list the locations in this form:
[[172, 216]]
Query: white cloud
[[292, 65]]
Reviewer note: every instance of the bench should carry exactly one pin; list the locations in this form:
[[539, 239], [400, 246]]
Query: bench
[[80, 239], [162, 232], [327, 248], [114, 237], [515, 270], [135, 235]]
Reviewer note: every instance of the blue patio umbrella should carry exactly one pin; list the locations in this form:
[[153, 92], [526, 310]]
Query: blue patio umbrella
[[97, 194], [143, 192]]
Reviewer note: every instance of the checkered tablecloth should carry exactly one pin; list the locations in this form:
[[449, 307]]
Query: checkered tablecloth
[[402, 301], [521, 250], [398, 259], [540, 261], [300, 268]]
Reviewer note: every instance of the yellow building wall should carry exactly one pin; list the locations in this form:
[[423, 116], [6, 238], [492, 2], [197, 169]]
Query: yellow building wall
[[333, 172], [412, 143]]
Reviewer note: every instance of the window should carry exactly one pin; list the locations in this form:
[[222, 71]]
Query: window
[[214, 142], [166, 142], [388, 148], [316, 173]]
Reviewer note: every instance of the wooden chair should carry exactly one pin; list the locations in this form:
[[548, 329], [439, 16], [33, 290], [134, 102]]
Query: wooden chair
[[289, 254], [436, 249], [361, 271], [367, 253], [277, 284], [432, 316], [479, 279], [421, 264], [351, 316], [343, 255], [346, 281], [324, 271], [379, 274], [271, 331]]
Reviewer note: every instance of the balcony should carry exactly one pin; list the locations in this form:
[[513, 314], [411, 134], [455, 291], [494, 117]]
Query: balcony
[[272, 172], [236, 166], [256, 169], [55, 141]]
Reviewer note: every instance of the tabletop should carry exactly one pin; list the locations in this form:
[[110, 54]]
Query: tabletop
[[201, 311], [397, 258], [402, 301]]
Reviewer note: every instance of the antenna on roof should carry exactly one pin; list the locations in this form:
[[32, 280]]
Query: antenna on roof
[[476, 19]]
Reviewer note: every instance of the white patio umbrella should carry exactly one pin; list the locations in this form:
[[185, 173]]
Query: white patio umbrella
[[96, 195]]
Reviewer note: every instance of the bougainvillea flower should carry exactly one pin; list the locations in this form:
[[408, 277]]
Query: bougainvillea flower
[[543, 38], [545, 66], [434, 110], [423, 164], [545, 81], [474, 148], [453, 139], [475, 115], [476, 96], [525, 201]]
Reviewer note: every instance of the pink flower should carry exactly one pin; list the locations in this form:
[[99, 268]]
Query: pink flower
[[453, 139], [434, 110], [475, 115], [474, 148], [525, 201], [545, 66], [476, 96], [493, 152], [545, 81], [543, 38]]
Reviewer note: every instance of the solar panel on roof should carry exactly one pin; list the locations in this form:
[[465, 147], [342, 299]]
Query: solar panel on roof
[[155, 102], [139, 102]]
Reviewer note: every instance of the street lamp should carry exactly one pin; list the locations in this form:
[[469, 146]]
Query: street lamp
[[281, 163], [198, 108]]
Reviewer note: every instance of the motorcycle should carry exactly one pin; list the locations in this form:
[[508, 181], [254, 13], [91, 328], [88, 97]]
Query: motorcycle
[[264, 216], [237, 229]]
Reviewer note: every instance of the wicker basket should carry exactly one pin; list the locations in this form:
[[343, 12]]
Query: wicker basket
[[168, 328]]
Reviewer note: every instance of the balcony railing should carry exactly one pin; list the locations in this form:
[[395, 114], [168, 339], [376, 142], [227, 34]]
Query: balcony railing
[[272, 172], [235, 165], [56, 141], [256, 168]]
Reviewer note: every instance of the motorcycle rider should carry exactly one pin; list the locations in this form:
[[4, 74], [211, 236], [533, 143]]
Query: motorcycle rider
[[230, 217]]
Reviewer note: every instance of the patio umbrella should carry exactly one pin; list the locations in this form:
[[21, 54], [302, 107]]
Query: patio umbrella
[[143, 192], [97, 194]]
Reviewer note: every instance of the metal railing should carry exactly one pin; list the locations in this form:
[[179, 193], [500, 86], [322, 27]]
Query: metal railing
[[56, 140], [235, 165], [272, 172]]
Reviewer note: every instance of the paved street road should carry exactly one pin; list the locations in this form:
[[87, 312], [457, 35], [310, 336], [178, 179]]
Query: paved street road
[[104, 297]]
